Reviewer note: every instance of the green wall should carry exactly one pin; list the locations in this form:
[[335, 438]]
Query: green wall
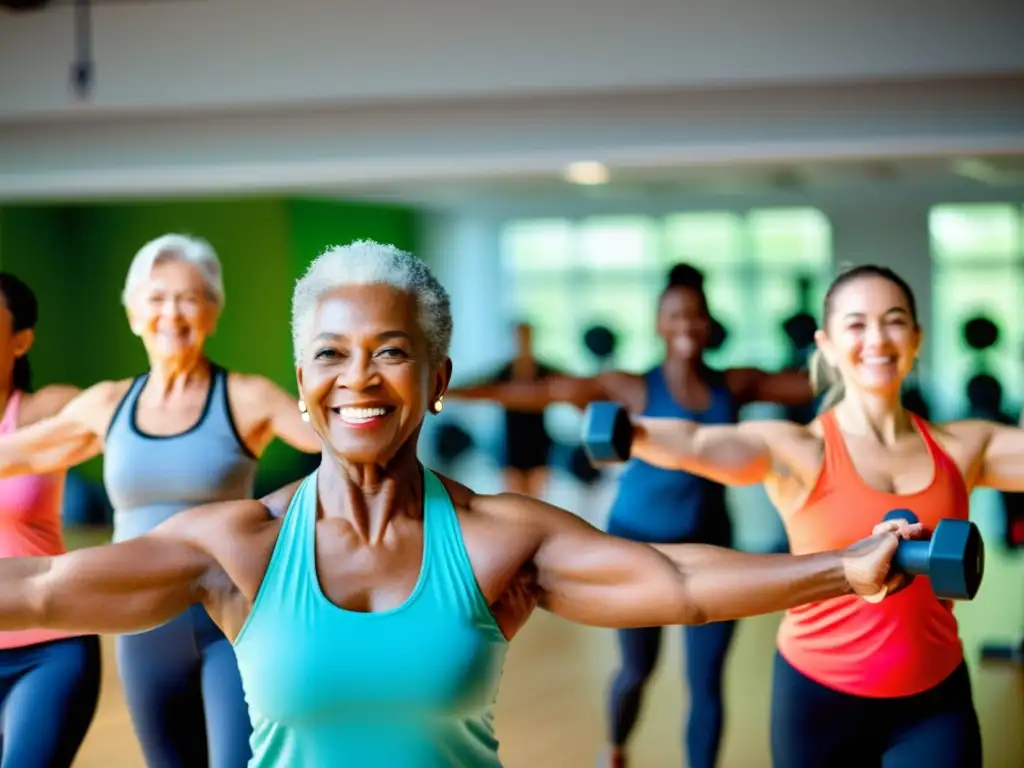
[[76, 257]]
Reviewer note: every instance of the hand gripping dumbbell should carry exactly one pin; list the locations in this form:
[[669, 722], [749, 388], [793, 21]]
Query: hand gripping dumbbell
[[607, 433], [953, 558]]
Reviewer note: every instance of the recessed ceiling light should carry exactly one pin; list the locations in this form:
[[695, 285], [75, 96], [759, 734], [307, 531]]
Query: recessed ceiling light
[[589, 173]]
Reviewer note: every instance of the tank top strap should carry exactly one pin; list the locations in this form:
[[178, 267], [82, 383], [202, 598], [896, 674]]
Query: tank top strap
[[123, 414], [9, 422], [220, 407], [945, 467], [447, 568], [938, 454], [657, 389], [837, 459], [290, 575]]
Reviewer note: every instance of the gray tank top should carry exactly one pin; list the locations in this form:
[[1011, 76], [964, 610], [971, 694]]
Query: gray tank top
[[149, 478]]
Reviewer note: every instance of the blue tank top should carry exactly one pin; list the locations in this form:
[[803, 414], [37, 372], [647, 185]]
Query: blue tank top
[[413, 686], [149, 478], [669, 506]]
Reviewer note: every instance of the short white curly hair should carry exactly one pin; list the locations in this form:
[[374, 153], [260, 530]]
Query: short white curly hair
[[365, 262], [174, 247]]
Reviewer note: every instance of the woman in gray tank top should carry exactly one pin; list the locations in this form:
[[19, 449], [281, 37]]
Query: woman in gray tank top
[[184, 433]]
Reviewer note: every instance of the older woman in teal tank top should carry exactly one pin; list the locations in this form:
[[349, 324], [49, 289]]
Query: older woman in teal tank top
[[371, 604], [184, 433]]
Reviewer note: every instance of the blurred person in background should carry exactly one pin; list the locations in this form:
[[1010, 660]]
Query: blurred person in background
[[184, 433], [662, 506], [49, 679]]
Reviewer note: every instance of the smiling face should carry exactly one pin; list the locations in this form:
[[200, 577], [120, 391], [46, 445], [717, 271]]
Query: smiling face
[[683, 322], [172, 311], [871, 335], [365, 374]]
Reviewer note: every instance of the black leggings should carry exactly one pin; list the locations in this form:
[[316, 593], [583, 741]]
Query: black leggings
[[818, 727], [184, 694], [705, 652], [48, 695]]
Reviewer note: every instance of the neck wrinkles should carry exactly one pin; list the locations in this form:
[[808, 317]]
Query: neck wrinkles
[[370, 496]]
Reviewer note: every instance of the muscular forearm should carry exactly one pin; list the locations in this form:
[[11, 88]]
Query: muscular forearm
[[722, 584], [21, 603]]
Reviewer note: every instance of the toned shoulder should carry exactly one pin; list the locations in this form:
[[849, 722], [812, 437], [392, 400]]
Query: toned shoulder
[[970, 435], [99, 398], [211, 525], [964, 428], [277, 502], [105, 392], [250, 384], [781, 429], [481, 507]]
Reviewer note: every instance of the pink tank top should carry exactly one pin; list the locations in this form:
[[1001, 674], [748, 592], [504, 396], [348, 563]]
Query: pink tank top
[[30, 523]]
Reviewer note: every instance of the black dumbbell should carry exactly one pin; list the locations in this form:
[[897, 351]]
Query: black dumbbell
[[607, 433], [953, 559]]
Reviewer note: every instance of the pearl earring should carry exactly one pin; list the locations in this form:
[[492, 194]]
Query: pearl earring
[[439, 404], [303, 411]]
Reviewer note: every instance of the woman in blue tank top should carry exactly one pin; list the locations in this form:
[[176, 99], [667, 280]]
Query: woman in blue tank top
[[661, 506], [184, 433], [371, 604]]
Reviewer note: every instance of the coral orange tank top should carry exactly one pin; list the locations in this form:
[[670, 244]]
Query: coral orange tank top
[[30, 523], [909, 642]]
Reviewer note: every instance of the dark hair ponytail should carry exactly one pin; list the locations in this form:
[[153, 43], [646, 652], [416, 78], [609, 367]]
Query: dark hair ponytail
[[21, 303]]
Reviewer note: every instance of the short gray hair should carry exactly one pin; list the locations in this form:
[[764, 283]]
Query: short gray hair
[[192, 250], [365, 262]]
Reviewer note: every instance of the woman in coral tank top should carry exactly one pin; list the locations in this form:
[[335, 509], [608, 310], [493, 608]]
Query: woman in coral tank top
[[49, 680], [858, 682]]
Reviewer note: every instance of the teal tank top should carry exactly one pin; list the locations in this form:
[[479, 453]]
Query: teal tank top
[[412, 687]]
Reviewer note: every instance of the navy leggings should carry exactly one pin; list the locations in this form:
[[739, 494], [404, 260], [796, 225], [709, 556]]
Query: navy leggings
[[818, 727], [184, 694], [706, 648], [48, 695]]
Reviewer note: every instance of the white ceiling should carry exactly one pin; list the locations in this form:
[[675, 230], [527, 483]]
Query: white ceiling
[[996, 176]]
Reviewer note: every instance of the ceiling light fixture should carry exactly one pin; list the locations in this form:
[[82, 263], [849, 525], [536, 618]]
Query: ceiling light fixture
[[588, 173]]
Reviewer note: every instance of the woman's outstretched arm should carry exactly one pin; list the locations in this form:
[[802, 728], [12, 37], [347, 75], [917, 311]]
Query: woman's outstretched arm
[[593, 578], [537, 395], [731, 454], [1001, 460], [70, 436], [130, 586]]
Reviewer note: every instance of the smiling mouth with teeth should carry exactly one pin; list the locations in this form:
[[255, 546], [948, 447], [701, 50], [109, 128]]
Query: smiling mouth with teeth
[[361, 415]]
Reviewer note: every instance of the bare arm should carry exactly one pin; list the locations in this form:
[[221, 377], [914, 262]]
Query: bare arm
[[271, 412], [126, 587], [592, 578], [69, 436], [731, 454], [1002, 460], [623, 388], [286, 420], [752, 385]]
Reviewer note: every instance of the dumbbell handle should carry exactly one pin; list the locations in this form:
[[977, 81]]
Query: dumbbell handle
[[912, 557]]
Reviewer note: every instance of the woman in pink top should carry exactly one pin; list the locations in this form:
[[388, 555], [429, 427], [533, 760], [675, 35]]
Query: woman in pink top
[[49, 680]]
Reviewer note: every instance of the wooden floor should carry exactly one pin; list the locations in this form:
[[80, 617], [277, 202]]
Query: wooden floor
[[551, 708]]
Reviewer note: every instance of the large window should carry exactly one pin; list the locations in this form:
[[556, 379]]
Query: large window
[[760, 267], [978, 258]]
